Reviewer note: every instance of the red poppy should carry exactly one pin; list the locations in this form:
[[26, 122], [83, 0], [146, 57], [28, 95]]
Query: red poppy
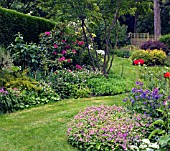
[[167, 75], [139, 61]]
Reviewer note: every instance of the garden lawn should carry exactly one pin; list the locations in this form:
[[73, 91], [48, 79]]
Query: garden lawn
[[44, 128]]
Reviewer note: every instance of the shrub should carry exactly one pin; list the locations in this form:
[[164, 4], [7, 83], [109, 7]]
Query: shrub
[[60, 48], [8, 101], [151, 57], [107, 128], [71, 84], [23, 54], [166, 40], [102, 86], [140, 54], [151, 45], [12, 22], [122, 53]]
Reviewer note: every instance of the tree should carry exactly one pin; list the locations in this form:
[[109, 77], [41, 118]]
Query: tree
[[157, 19]]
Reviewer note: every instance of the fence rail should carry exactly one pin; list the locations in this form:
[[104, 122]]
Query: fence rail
[[137, 39]]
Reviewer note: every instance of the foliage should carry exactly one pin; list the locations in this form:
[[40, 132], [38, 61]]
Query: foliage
[[23, 54], [166, 40], [102, 86], [161, 126], [152, 45], [61, 48], [122, 53], [12, 22], [151, 57], [8, 101], [71, 84], [14, 99], [154, 77], [107, 128]]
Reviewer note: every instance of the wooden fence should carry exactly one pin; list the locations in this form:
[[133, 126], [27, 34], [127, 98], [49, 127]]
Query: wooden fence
[[137, 39]]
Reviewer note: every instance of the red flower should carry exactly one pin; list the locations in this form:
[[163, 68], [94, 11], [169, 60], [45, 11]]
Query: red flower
[[167, 75], [47, 33], [68, 60], [139, 61], [55, 52]]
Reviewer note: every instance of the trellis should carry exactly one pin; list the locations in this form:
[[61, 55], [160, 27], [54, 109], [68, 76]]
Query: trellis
[[137, 39]]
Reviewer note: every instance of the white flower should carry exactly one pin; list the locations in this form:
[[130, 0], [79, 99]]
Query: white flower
[[134, 148], [143, 146], [102, 52], [146, 141], [154, 145]]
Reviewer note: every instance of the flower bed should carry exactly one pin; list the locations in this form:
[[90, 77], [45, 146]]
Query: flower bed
[[107, 128]]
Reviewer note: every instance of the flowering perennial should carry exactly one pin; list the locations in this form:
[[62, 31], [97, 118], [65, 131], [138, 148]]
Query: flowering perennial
[[107, 128], [145, 101]]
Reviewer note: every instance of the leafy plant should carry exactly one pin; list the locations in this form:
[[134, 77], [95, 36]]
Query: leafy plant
[[102, 86], [122, 53], [166, 40], [23, 54], [8, 101], [162, 126], [151, 45]]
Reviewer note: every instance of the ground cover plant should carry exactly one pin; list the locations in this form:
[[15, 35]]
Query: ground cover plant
[[107, 128]]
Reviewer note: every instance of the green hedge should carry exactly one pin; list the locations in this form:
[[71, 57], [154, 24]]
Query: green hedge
[[12, 22]]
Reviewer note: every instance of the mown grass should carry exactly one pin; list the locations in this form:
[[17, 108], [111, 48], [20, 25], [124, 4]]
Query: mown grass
[[44, 128]]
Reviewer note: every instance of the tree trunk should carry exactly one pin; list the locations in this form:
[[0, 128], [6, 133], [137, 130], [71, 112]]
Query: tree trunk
[[157, 19]]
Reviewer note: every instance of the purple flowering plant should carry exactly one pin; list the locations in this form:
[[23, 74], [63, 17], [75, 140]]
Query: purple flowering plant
[[107, 128], [144, 101]]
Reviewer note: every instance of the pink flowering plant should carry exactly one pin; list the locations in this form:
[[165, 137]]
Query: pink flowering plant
[[107, 128], [60, 48]]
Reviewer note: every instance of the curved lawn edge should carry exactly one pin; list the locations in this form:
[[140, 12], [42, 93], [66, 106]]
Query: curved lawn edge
[[45, 127]]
